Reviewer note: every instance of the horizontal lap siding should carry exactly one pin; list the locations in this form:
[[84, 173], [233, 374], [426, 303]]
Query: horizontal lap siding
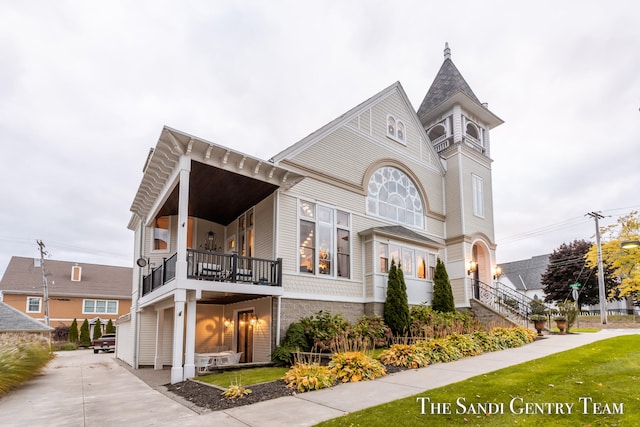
[[147, 338], [263, 229]]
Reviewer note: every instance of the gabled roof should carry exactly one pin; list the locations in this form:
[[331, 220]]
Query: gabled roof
[[24, 276], [12, 320], [526, 274], [401, 233], [325, 130]]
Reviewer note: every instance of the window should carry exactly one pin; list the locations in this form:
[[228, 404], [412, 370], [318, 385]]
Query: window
[[478, 195], [245, 234], [392, 195], [91, 306], [414, 263], [324, 240], [472, 131], [34, 304], [395, 129], [161, 234]]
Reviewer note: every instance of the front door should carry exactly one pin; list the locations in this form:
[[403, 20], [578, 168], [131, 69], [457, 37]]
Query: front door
[[245, 335]]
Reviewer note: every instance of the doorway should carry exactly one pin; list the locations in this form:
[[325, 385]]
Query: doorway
[[245, 335]]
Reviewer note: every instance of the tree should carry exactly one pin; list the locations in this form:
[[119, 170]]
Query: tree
[[442, 293], [624, 264], [109, 329], [396, 307], [73, 331], [97, 329], [85, 340], [566, 266]]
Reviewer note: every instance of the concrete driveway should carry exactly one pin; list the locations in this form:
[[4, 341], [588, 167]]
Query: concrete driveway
[[80, 388]]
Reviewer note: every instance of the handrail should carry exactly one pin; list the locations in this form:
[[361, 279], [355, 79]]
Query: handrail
[[214, 266], [505, 300]]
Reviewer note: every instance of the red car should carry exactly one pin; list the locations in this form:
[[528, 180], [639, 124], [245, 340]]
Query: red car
[[107, 342]]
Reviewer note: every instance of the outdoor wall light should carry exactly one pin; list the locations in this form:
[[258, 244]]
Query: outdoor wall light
[[254, 320], [228, 323], [630, 244], [471, 267], [497, 272]]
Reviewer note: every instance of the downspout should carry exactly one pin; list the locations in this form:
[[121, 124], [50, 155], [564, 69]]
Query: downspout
[[136, 323], [276, 205]]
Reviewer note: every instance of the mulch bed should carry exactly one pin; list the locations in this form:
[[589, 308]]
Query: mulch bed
[[210, 398]]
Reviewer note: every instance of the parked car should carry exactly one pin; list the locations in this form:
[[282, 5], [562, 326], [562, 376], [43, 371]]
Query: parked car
[[107, 342]]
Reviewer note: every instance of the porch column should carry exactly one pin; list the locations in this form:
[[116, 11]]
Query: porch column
[[183, 217], [177, 372], [157, 362], [190, 338]]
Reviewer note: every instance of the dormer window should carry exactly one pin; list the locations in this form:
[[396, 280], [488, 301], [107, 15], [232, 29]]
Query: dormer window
[[396, 129]]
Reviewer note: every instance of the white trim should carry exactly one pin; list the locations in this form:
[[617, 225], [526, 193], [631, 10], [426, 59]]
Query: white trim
[[39, 305], [477, 190], [153, 238], [106, 306]]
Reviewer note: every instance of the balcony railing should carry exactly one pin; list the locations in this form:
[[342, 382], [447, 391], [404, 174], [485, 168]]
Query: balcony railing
[[218, 267]]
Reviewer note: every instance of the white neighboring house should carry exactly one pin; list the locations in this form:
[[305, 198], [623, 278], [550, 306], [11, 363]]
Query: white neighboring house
[[525, 276], [231, 248]]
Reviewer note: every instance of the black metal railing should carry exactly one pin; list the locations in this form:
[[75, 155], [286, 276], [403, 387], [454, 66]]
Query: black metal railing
[[213, 266], [504, 300]]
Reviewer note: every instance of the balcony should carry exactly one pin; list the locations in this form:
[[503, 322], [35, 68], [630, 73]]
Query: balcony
[[217, 267]]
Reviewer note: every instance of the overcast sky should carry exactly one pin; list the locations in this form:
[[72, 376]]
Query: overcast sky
[[85, 88]]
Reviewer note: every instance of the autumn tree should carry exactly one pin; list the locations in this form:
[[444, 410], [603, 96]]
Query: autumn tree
[[566, 266], [624, 264], [396, 308], [442, 293]]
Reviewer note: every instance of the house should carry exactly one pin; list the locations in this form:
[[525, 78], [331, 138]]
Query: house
[[232, 248], [12, 320], [75, 291], [525, 276]]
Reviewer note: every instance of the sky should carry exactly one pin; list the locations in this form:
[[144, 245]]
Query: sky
[[86, 87]]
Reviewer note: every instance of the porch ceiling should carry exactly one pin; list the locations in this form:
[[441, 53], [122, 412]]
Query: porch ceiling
[[226, 298], [218, 195]]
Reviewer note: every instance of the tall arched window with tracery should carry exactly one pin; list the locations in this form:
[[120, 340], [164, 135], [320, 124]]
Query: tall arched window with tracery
[[394, 196]]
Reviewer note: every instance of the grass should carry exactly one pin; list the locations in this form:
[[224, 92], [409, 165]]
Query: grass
[[245, 377], [607, 371]]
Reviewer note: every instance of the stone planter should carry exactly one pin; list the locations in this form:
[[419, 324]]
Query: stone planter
[[562, 325], [539, 325]]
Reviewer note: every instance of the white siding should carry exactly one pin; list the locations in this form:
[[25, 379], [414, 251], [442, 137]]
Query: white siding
[[147, 338]]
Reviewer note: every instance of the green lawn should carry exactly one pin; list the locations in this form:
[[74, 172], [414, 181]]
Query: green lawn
[[601, 382], [245, 377]]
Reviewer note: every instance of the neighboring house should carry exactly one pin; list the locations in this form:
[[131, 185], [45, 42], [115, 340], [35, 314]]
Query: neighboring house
[[75, 290], [12, 320], [232, 248], [524, 276]]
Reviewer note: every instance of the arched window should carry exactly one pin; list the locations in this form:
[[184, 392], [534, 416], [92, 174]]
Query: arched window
[[395, 129], [436, 132], [392, 195], [472, 131]]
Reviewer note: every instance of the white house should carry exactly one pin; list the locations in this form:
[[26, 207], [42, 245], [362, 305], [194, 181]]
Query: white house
[[231, 248]]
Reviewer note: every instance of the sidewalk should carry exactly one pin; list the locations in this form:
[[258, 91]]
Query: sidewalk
[[85, 389]]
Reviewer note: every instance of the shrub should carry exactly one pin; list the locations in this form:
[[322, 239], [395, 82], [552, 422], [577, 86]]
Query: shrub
[[294, 340], [439, 350], [404, 355], [97, 329], [65, 346], [60, 333], [442, 293], [427, 323], [73, 331], [354, 366], [373, 329], [22, 357], [109, 329], [396, 306], [466, 344], [325, 330], [85, 340], [306, 377]]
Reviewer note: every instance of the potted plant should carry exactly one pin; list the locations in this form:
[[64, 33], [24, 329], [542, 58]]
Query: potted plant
[[538, 315], [561, 323]]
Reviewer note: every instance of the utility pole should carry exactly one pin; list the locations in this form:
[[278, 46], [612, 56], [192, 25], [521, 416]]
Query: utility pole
[[45, 288], [601, 290]]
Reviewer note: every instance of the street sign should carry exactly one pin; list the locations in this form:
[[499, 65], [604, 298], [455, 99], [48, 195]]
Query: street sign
[[575, 285]]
